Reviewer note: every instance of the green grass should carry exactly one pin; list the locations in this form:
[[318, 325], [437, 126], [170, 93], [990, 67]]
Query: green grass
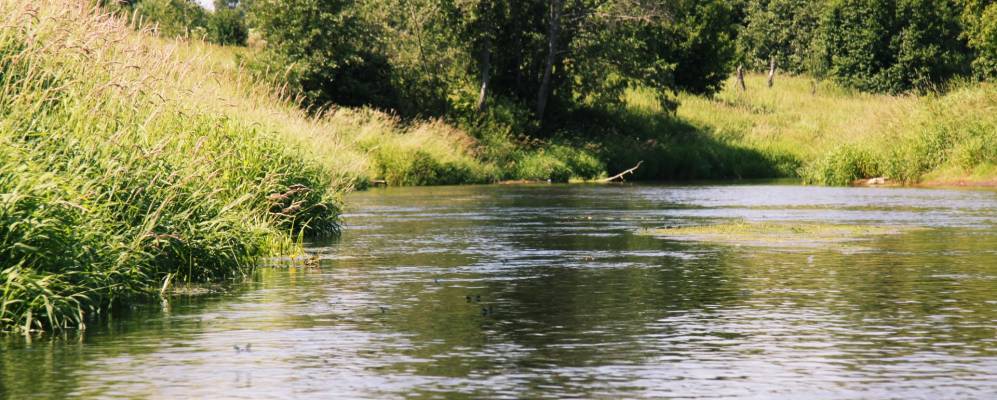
[[836, 136], [111, 183]]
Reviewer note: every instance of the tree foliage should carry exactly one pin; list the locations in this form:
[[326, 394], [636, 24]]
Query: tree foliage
[[440, 57], [779, 29], [892, 46], [227, 24], [880, 46], [980, 19], [329, 52]]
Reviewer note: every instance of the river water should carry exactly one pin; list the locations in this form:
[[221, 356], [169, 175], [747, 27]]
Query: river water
[[553, 292]]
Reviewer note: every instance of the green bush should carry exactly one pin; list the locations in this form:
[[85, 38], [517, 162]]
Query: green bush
[[541, 166], [227, 24], [841, 167]]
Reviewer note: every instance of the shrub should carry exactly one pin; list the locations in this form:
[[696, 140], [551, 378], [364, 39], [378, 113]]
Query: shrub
[[841, 167]]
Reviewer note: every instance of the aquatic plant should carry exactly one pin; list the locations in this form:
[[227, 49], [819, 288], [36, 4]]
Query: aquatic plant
[[776, 233]]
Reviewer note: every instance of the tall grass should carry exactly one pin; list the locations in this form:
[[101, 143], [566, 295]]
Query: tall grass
[[835, 136], [111, 182]]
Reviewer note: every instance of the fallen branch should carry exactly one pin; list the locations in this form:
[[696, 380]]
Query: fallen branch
[[621, 174]]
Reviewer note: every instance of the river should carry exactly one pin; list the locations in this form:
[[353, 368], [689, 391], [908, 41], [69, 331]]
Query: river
[[553, 291]]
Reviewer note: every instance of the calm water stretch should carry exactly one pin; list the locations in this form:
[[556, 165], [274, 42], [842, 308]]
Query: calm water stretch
[[553, 292]]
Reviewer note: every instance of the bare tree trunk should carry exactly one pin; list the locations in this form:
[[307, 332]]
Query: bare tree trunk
[[740, 78], [552, 38], [486, 71], [771, 71]]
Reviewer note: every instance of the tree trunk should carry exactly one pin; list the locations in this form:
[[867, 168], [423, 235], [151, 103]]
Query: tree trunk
[[740, 78], [552, 37], [486, 71], [771, 71]]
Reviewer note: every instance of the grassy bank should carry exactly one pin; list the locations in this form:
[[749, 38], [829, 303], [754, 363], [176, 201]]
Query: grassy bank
[[129, 162], [833, 136], [112, 183]]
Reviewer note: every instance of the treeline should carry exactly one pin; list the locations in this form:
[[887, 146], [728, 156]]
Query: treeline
[[521, 62], [891, 46], [524, 60], [529, 64], [226, 24]]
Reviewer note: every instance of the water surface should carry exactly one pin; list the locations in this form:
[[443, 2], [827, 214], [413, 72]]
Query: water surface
[[551, 292]]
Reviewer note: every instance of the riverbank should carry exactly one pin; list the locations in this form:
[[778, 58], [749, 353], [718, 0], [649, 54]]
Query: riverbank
[[836, 136], [130, 163]]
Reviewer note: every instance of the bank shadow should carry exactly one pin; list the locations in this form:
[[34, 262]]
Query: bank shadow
[[671, 148]]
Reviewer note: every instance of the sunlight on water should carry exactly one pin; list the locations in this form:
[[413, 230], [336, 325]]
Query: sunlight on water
[[549, 291]]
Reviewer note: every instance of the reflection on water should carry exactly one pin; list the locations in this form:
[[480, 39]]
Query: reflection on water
[[546, 291]]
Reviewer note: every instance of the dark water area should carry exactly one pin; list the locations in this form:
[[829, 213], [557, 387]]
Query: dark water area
[[554, 292]]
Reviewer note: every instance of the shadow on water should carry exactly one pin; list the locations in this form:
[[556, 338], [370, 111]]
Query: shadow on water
[[551, 291]]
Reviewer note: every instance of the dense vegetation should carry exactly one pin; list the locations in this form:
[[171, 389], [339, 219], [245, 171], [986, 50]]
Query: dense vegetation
[[546, 87], [873, 46], [130, 164]]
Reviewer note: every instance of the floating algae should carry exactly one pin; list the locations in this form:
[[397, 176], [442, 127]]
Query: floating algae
[[789, 233]]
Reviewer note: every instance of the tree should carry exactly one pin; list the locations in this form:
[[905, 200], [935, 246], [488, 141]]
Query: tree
[[702, 44], [779, 29], [432, 57], [328, 50], [893, 46], [980, 19], [227, 23], [574, 52]]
